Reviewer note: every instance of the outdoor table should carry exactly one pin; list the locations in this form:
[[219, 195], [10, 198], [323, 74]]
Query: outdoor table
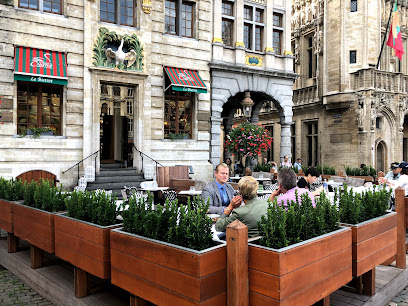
[[261, 179], [190, 192], [263, 192], [154, 189]]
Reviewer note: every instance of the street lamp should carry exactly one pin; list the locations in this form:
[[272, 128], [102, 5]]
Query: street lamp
[[247, 104]]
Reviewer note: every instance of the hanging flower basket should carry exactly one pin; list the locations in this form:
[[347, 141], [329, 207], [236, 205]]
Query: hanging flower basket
[[247, 140]]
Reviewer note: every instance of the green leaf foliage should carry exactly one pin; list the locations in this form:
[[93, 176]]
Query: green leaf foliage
[[262, 167], [43, 195], [11, 190], [298, 222], [364, 171], [96, 207], [187, 225], [355, 208]]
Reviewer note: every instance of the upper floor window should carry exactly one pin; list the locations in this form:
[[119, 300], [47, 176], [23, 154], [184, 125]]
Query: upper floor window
[[253, 27], [353, 6], [228, 20], [353, 57], [277, 32], [49, 6], [122, 12], [179, 18]]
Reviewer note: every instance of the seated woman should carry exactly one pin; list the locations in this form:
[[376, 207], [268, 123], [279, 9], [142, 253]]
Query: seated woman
[[250, 213], [402, 180]]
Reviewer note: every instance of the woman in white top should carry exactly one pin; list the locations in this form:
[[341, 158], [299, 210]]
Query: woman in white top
[[402, 180]]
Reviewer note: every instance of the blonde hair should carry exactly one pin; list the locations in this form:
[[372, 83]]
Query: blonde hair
[[222, 165], [248, 187]]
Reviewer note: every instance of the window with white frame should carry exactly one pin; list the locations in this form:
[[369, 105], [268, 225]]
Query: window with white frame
[[277, 32], [49, 6], [254, 27], [228, 20]]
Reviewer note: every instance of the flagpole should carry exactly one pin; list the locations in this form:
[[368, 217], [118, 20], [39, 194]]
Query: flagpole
[[385, 35]]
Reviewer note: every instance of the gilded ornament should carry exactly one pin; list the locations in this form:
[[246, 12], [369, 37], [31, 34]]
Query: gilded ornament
[[147, 6], [288, 52], [239, 44], [218, 40], [253, 60], [270, 50]]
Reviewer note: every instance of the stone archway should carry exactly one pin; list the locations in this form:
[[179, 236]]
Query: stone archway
[[272, 86]]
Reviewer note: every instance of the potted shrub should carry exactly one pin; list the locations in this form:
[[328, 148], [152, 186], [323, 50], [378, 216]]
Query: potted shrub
[[303, 254], [82, 233], [167, 256], [10, 191], [374, 228], [34, 218]]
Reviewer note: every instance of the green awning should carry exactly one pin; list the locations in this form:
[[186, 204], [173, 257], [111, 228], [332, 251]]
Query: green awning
[[185, 80]]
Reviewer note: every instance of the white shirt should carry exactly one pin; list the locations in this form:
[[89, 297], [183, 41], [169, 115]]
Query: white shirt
[[402, 181]]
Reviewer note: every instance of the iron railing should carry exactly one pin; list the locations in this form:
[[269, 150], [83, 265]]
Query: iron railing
[[78, 163], [142, 155]]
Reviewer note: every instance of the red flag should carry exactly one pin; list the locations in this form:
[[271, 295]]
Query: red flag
[[395, 39]]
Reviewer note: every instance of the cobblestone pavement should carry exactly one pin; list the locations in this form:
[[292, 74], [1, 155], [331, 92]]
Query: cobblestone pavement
[[14, 292], [401, 299]]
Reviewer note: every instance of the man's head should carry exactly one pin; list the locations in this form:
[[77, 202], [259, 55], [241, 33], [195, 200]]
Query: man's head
[[265, 160], [286, 158], [395, 168], [312, 174], [403, 168], [299, 160], [221, 173], [287, 179]]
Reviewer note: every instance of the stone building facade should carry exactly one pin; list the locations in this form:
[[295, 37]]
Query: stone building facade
[[345, 111], [251, 57], [121, 90]]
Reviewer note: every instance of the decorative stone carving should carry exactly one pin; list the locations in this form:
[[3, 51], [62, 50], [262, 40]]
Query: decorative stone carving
[[297, 56], [360, 111], [402, 106], [147, 6], [373, 116], [109, 45], [317, 41]]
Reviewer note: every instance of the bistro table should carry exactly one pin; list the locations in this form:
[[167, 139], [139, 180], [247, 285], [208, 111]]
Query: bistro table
[[190, 192], [261, 179], [155, 191]]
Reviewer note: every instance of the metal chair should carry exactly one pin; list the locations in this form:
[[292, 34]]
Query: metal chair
[[170, 195]]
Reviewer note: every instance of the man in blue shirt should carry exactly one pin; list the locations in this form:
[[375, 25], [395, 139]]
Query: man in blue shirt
[[219, 193], [298, 164], [395, 172]]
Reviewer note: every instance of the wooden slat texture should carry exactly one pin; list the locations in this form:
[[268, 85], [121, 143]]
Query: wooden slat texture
[[372, 245], [166, 174], [37, 175], [80, 283], [40, 216], [369, 282], [375, 259], [36, 255], [295, 258], [181, 184], [12, 243], [6, 216], [157, 294], [400, 207], [374, 228]]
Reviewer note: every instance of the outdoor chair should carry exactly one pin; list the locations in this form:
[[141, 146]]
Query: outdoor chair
[[200, 184], [170, 195], [316, 185], [271, 187], [255, 174]]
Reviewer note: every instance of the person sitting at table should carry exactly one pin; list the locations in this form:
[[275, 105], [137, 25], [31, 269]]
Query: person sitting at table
[[219, 192], [395, 172], [298, 164], [310, 177], [402, 180], [286, 162], [250, 213], [287, 188], [228, 162]]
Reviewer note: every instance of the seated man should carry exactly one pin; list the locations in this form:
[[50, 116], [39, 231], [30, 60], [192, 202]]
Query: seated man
[[219, 192], [310, 177], [286, 162], [250, 213], [395, 172], [298, 164], [287, 188]]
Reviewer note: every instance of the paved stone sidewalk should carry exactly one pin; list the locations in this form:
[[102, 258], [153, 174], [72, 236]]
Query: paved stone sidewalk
[[14, 292], [401, 299]]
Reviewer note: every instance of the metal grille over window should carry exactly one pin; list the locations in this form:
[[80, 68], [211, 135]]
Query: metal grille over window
[[353, 6], [353, 57]]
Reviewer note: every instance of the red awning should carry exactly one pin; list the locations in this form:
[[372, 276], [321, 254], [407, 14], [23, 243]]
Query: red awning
[[40, 63], [185, 80]]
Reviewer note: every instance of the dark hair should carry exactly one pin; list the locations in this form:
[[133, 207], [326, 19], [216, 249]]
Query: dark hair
[[313, 172], [287, 178], [404, 171]]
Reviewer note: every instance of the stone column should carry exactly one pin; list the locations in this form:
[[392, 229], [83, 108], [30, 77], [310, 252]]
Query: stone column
[[256, 109], [286, 122], [215, 153], [218, 44], [239, 43]]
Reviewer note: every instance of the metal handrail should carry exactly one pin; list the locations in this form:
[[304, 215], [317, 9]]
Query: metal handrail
[[141, 155], [78, 163]]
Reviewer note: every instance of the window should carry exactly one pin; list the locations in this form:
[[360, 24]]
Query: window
[[122, 12], [293, 139], [253, 28], [378, 122], [310, 57], [178, 108], [49, 6], [312, 143], [227, 22], [353, 6], [39, 106], [129, 107], [353, 57], [277, 32], [179, 18]]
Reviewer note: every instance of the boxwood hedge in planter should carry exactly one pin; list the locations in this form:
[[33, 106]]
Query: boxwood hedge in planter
[[374, 228], [157, 247], [303, 254], [34, 219], [82, 234], [10, 190]]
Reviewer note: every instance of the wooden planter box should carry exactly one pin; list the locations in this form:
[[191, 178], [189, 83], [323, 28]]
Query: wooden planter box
[[83, 244], [6, 216], [166, 274], [300, 274], [374, 241], [35, 226]]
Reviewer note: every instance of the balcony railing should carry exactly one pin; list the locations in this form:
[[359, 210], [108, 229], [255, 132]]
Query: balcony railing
[[304, 95], [375, 79]]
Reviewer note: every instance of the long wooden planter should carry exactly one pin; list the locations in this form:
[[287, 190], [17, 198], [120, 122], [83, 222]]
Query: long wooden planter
[[35, 226], [165, 274], [83, 244], [300, 274], [6, 216], [374, 241]]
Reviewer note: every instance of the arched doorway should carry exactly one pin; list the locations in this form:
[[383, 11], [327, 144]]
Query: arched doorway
[[37, 175], [381, 156]]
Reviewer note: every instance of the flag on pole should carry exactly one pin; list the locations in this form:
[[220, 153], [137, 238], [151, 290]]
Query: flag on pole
[[395, 39]]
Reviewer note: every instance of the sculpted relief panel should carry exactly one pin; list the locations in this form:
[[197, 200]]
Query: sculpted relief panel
[[304, 12]]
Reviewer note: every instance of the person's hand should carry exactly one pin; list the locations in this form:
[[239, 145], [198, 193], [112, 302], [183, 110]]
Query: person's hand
[[274, 194], [382, 180], [236, 201]]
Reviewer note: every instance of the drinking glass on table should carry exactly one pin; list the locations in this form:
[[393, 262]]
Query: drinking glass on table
[[192, 188]]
